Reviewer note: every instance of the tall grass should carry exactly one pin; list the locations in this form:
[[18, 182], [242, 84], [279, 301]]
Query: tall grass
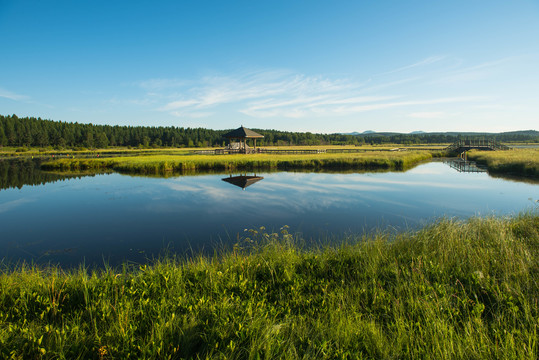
[[516, 161], [453, 289], [162, 164]]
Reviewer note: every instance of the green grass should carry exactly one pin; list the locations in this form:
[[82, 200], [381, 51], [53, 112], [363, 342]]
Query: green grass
[[157, 164], [516, 162], [448, 291], [37, 151], [112, 151]]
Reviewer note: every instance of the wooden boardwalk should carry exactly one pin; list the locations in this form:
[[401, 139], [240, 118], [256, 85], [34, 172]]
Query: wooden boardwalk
[[292, 151], [461, 146]]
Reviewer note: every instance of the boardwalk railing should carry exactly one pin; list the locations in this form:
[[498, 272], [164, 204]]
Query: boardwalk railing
[[465, 145], [288, 151], [292, 151]]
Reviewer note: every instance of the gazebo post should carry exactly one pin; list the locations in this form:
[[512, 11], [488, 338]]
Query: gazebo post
[[242, 134]]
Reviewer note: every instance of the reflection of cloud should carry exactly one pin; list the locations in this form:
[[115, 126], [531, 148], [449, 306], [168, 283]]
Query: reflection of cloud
[[329, 188], [216, 198], [10, 205], [292, 194], [432, 184], [208, 191]]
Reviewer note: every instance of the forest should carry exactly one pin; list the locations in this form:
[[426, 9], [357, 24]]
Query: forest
[[36, 132]]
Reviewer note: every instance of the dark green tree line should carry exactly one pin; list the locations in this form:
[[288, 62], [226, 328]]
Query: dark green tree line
[[36, 132]]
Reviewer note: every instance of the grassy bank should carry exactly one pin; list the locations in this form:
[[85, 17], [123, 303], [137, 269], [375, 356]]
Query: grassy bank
[[451, 290], [523, 162], [164, 163], [34, 151]]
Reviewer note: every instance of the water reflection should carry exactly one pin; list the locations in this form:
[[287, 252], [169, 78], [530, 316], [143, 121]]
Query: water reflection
[[118, 217], [466, 166], [243, 181], [16, 173]]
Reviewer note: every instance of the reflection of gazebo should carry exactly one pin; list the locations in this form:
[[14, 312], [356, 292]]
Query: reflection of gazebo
[[242, 134], [242, 180]]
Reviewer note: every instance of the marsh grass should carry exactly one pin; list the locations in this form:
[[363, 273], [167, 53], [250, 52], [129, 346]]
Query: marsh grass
[[35, 151], [524, 162], [158, 164], [454, 289]]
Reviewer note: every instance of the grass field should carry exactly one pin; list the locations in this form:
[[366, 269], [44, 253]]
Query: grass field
[[163, 163], [451, 290], [22, 151], [517, 161]]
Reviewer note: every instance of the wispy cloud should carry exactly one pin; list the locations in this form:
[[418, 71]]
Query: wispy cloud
[[11, 95], [264, 93], [427, 115], [160, 84], [427, 61], [472, 73], [141, 102], [285, 94]]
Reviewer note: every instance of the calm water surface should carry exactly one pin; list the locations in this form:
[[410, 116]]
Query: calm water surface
[[113, 218]]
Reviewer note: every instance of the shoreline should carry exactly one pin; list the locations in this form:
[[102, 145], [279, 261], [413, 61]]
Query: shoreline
[[452, 289]]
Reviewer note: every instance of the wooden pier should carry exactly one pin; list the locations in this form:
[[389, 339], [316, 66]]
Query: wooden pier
[[461, 146], [248, 150]]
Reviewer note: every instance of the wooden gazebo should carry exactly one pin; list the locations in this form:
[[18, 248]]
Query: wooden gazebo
[[242, 134]]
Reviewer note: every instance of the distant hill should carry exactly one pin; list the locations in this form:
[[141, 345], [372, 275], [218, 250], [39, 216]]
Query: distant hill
[[355, 133], [530, 133], [421, 137]]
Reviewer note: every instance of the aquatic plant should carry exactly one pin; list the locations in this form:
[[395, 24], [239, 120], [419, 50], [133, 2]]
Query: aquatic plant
[[516, 161], [162, 163], [454, 289]]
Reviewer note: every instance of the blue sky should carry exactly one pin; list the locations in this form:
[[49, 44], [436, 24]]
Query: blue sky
[[319, 66]]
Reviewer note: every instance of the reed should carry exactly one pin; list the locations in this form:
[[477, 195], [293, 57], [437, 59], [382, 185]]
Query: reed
[[516, 161], [154, 164], [454, 289]]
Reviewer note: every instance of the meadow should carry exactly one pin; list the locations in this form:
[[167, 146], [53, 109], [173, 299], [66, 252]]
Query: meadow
[[517, 161], [9, 151], [454, 289]]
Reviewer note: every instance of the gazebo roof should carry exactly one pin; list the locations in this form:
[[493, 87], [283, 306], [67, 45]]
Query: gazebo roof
[[242, 180], [242, 133]]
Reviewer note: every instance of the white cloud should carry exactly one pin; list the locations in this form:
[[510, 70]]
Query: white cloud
[[427, 115], [160, 84], [272, 93], [11, 95], [427, 61], [191, 114], [472, 73], [284, 94]]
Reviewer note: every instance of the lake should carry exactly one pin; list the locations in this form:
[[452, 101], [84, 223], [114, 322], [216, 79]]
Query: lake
[[112, 218]]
